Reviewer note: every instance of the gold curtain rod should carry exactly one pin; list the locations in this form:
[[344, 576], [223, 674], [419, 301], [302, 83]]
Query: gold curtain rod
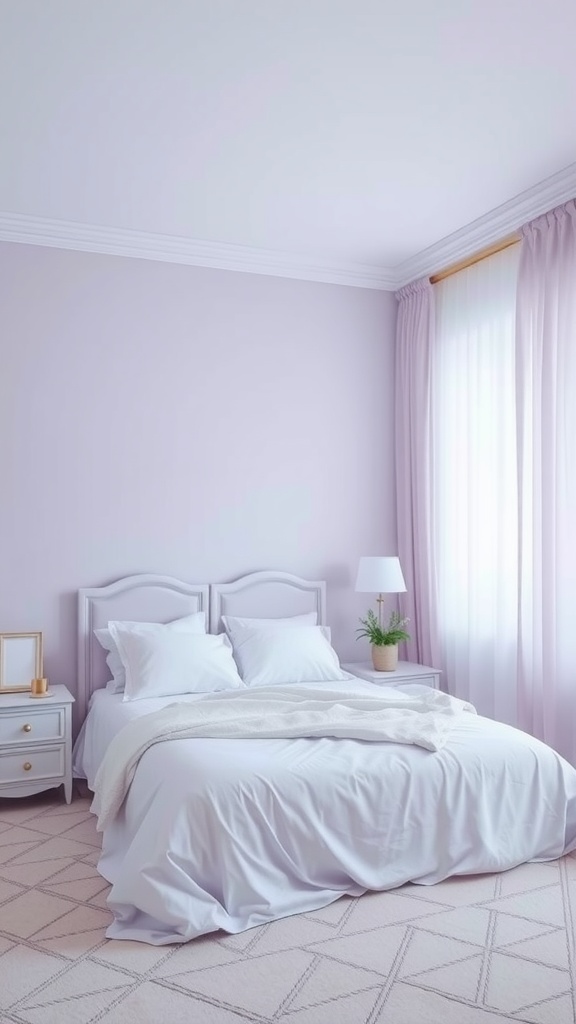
[[505, 243]]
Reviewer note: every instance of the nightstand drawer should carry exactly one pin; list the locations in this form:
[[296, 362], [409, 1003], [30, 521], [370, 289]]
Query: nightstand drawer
[[29, 765], [421, 681], [32, 726]]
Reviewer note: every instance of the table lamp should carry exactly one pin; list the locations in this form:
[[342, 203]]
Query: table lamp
[[380, 574]]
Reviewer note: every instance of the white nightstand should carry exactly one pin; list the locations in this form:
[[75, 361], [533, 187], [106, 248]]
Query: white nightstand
[[36, 743], [406, 676]]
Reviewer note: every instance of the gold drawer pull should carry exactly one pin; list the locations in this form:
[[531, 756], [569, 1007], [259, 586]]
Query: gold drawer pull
[[27, 766], [27, 727]]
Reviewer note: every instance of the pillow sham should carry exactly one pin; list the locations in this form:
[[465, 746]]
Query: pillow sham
[[194, 623], [232, 621], [164, 662], [274, 657]]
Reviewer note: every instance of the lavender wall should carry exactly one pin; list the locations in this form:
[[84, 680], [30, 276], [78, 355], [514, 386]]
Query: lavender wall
[[200, 423]]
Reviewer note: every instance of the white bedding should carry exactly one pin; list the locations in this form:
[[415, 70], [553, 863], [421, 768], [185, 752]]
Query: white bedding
[[277, 712], [230, 833], [107, 716]]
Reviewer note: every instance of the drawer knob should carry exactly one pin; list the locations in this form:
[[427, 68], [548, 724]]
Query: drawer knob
[[27, 727], [27, 766]]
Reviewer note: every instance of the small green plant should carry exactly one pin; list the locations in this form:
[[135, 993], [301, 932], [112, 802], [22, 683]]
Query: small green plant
[[379, 637]]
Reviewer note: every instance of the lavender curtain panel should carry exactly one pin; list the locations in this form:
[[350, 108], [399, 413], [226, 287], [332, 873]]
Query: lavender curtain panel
[[546, 423], [414, 342]]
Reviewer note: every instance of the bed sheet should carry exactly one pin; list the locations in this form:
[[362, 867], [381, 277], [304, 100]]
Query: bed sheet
[[228, 834]]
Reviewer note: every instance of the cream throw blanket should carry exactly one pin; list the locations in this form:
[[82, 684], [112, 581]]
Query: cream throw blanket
[[270, 712]]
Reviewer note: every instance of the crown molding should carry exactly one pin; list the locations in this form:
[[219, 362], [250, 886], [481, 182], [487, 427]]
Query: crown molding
[[493, 226], [490, 228], [15, 227]]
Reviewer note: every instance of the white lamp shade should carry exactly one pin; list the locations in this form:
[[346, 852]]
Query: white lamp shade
[[378, 574]]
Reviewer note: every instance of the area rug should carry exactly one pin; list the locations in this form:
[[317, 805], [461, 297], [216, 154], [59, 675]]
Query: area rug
[[466, 951]]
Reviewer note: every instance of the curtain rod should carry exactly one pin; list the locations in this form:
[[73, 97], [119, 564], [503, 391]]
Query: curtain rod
[[483, 254]]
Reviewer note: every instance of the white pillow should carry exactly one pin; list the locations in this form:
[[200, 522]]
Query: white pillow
[[273, 657], [165, 662], [194, 623], [232, 621]]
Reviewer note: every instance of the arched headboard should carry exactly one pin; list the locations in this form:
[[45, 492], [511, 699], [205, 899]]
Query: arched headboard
[[268, 595]]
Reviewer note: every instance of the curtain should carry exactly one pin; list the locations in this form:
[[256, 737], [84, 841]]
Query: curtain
[[474, 483], [486, 478], [546, 387], [414, 345]]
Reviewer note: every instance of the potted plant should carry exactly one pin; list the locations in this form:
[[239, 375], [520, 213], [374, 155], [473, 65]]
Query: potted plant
[[384, 641]]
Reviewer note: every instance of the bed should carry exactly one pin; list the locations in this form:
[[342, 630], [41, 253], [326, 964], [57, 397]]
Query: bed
[[228, 833]]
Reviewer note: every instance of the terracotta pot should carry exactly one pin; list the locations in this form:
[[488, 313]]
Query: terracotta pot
[[385, 658]]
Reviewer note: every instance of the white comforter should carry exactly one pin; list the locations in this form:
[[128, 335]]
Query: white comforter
[[231, 833], [272, 712]]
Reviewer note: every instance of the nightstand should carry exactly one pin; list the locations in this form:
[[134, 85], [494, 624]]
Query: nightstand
[[36, 743], [406, 676]]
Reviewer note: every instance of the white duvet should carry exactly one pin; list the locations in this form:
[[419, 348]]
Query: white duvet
[[231, 833]]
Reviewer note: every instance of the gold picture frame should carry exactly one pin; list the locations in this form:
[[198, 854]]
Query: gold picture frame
[[20, 661]]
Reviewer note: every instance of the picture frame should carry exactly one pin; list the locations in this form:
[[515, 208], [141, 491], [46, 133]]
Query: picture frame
[[21, 661]]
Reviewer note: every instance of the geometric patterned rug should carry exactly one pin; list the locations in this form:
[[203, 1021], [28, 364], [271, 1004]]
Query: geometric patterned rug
[[466, 951]]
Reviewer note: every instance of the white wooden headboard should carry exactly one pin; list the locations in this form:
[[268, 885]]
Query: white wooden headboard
[[267, 595], [151, 598]]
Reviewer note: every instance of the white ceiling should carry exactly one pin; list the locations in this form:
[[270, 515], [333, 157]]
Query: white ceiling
[[349, 134]]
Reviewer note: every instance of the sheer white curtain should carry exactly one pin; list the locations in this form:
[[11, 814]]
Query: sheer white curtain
[[502, 481], [474, 483]]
